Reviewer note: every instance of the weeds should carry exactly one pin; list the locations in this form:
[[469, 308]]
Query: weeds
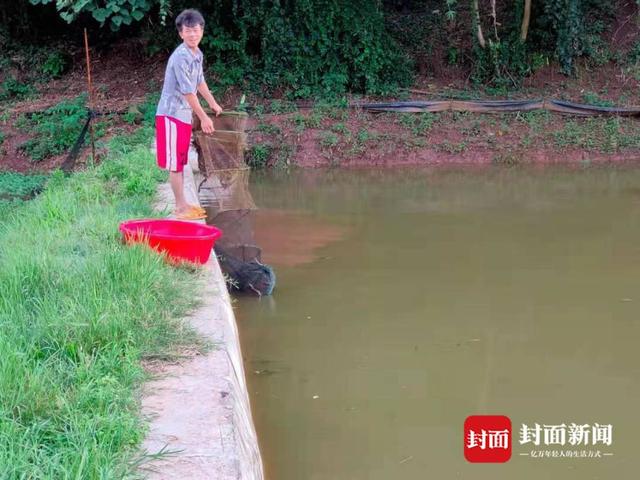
[[15, 184], [417, 123], [364, 135], [56, 129], [450, 147], [259, 155], [415, 142], [607, 135], [455, 94], [328, 140], [268, 128], [276, 151], [16, 188], [79, 311], [340, 128], [284, 155], [592, 98], [472, 130], [55, 64], [335, 109], [508, 158], [360, 140], [258, 112], [299, 122], [279, 107], [143, 113], [461, 116], [315, 119], [537, 120], [12, 90]]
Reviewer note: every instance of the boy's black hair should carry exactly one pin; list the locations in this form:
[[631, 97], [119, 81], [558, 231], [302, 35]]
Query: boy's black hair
[[189, 18]]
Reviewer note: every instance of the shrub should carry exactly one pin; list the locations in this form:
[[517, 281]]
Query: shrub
[[56, 129], [12, 89]]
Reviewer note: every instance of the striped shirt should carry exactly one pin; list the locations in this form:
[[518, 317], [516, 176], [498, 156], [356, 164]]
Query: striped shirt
[[182, 76]]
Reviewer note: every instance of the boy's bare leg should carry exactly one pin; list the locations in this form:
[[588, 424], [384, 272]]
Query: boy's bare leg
[[176, 180]]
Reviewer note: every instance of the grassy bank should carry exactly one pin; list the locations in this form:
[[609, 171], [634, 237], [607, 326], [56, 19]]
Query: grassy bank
[[15, 189], [78, 313]]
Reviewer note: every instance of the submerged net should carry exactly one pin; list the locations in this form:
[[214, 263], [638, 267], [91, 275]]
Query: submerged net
[[225, 185]]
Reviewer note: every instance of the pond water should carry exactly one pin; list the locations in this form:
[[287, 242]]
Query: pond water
[[408, 300]]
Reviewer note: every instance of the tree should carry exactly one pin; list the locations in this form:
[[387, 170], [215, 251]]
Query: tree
[[526, 17], [113, 12]]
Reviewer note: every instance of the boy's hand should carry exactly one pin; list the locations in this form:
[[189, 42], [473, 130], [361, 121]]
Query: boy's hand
[[217, 109], [207, 125]]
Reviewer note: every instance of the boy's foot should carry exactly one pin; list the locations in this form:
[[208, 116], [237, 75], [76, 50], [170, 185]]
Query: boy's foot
[[190, 214]]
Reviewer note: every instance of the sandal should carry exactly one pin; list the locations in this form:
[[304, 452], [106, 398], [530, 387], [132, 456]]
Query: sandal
[[197, 208], [190, 215]]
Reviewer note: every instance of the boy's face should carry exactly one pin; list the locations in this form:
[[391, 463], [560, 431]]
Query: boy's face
[[191, 35]]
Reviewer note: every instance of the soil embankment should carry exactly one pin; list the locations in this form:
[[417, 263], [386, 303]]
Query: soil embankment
[[320, 135]]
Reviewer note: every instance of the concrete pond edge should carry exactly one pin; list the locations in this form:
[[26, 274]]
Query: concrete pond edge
[[198, 408]]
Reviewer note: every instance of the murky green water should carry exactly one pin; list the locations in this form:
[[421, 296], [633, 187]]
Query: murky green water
[[408, 300]]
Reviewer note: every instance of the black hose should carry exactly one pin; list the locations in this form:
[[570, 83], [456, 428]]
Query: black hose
[[70, 162]]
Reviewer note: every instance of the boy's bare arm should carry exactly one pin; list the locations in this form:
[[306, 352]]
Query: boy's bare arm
[[203, 89], [205, 121]]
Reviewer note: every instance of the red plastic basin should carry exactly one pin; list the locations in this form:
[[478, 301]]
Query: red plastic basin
[[180, 240]]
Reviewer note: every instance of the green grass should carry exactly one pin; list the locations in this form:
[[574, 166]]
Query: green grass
[[143, 113], [606, 135], [363, 136], [259, 154], [456, 94], [16, 184], [592, 98], [78, 312], [450, 147], [268, 128], [298, 121], [537, 120], [314, 119], [284, 155], [417, 123], [328, 139], [279, 107], [12, 90], [15, 188], [335, 109]]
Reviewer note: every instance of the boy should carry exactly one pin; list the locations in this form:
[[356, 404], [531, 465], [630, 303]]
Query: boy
[[183, 80]]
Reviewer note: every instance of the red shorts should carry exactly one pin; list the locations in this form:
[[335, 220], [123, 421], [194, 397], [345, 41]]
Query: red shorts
[[172, 143]]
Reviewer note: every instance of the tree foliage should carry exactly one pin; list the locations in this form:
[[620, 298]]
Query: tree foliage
[[318, 47], [311, 46], [507, 40], [115, 13]]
